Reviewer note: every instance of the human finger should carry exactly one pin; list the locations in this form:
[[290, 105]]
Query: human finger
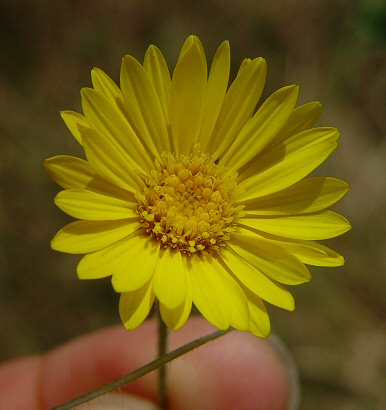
[[237, 369]]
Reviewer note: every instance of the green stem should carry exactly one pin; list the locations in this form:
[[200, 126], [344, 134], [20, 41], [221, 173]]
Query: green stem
[[155, 364], [162, 348]]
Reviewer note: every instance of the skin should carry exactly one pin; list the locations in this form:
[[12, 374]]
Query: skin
[[236, 371]]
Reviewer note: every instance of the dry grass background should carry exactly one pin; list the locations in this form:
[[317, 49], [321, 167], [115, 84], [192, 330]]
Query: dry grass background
[[336, 51]]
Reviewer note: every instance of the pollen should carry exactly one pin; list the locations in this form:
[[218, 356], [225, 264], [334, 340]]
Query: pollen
[[189, 203]]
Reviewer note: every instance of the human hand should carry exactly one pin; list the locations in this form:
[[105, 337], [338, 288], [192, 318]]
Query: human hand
[[236, 371]]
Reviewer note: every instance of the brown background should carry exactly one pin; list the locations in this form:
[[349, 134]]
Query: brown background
[[334, 49]]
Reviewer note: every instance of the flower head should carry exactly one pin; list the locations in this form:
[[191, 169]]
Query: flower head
[[190, 195]]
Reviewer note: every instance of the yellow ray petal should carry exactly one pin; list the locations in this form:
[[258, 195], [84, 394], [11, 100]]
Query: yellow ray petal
[[290, 161], [261, 128], [305, 196], [137, 263], [170, 279], [75, 122], [157, 70], [135, 306], [216, 294], [309, 252], [190, 41], [257, 282], [83, 204], [175, 318], [143, 107], [320, 225], [103, 263], [312, 253], [269, 259], [239, 104], [243, 64], [90, 236], [105, 85], [187, 97], [302, 118], [111, 161], [109, 120], [259, 323], [72, 173], [69, 172], [215, 92]]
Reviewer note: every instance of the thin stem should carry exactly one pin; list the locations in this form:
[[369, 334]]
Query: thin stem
[[162, 371], [155, 364]]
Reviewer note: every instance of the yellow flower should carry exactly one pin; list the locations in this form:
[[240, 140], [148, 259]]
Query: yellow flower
[[189, 195]]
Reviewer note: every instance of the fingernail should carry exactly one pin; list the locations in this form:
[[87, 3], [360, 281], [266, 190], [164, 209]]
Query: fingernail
[[292, 371], [118, 401]]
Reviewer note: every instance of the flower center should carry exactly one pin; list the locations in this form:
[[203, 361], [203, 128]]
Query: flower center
[[188, 203]]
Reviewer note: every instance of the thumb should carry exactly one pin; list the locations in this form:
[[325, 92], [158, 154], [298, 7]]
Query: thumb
[[118, 401]]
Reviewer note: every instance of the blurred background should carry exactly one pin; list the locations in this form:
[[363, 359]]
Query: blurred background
[[335, 50]]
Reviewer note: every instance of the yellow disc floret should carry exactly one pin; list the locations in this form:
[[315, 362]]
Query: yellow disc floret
[[188, 203]]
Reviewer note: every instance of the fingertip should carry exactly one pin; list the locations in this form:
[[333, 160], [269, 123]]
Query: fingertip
[[236, 371]]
